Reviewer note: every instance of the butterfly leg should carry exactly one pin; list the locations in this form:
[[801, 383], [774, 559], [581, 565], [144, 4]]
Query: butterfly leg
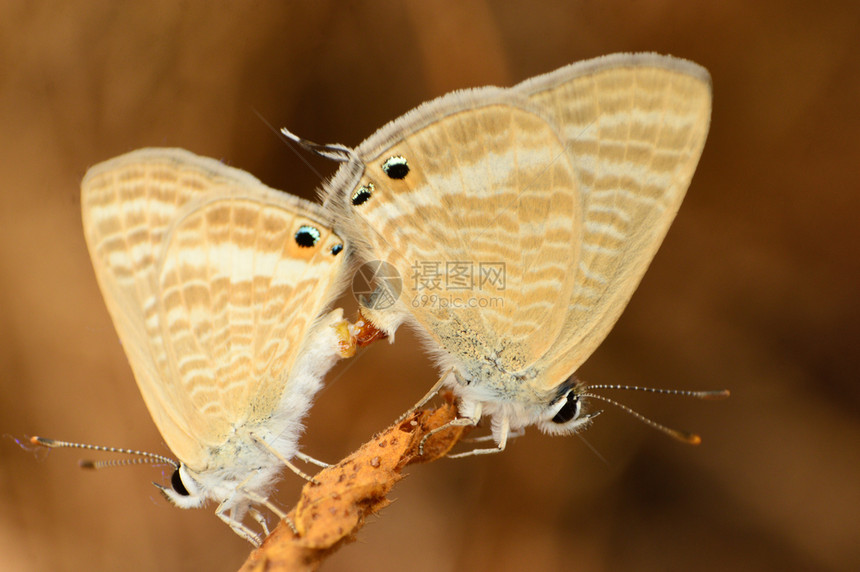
[[260, 519], [308, 459], [504, 433], [261, 500], [511, 435], [237, 526], [283, 459], [433, 391], [228, 508], [459, 422]]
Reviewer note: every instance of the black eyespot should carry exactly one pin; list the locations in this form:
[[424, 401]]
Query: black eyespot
[[178, 485], [336, 249], [362, 194], [396, 167], [307, 236], [568, 411]]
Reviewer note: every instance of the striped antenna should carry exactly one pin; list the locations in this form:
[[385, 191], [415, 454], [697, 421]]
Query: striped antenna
[[683, 436], [144, 457]]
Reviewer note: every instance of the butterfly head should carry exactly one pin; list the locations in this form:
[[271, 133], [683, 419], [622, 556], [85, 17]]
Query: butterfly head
[[249, 473], [184, 490], [514, 407], [565, 414]]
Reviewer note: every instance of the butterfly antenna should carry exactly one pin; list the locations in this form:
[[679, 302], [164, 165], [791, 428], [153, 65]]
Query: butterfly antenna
[[683, 436], [709, 395], [337, 153], [333, 152], [143, 456], [90, 464]]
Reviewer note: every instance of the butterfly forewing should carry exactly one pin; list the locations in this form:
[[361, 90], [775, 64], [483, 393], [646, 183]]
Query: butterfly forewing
[[634, 128]]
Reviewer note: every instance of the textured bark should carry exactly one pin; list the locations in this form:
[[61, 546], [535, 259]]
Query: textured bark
[[331, 511]]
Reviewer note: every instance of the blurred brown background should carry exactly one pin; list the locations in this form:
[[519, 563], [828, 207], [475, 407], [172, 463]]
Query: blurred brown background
[[755, 288]]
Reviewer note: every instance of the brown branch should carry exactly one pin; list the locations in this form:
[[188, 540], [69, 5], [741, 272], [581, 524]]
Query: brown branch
[[331, 511]]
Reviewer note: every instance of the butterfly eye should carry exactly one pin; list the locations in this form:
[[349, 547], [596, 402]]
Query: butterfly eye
[[336, 249], [307, 236], [178, 485], [396, 167], [568, 411], [362, 194]]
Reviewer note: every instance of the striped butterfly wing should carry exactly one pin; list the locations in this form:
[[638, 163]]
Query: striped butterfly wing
[[634, 127], [480, 227], [127, 205], [570, 180], [133, 207], [242, 281]]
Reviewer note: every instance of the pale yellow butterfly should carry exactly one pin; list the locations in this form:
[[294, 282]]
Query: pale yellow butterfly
[[217, 286], [521, 221]]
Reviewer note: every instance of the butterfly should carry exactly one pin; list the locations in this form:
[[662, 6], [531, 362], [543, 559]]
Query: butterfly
[[521, 221], [218, 288]]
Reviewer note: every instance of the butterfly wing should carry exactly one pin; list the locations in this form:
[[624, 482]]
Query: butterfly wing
[[134, 207], [570, 180], [127, 204], [634, 126], [489, 195], [240, 296]]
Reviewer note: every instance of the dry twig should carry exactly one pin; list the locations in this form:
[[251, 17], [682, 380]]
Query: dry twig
[[331, 511]]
